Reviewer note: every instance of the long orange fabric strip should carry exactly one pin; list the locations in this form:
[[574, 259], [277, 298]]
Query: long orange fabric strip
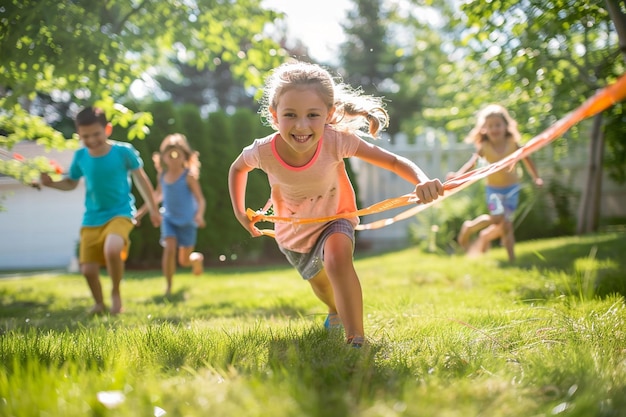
[[600, 101]]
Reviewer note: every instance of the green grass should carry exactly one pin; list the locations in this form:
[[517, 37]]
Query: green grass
[[448, 336]]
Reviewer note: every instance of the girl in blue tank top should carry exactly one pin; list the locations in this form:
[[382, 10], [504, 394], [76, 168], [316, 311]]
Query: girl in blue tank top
[[182, 205]]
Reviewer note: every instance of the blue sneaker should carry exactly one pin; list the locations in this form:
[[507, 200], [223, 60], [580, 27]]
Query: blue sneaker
[[332, 322]]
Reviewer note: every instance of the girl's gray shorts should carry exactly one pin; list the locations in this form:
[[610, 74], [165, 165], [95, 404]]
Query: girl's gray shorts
[[310, 264]]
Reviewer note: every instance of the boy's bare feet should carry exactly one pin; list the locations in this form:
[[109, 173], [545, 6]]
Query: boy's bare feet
[[97, 310], [116, 304]]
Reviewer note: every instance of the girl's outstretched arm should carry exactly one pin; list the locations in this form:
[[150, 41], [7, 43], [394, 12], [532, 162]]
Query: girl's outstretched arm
[[426, 189], [196, 190], [144, 186], [466, 167], [532, 170], [237, 183], [158, 196]]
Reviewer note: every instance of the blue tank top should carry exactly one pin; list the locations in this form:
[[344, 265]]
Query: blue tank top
[[179, 205]]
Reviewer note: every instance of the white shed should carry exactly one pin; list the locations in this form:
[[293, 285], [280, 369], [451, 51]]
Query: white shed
[[39, 229]]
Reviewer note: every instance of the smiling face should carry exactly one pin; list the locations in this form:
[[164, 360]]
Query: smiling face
[[94, 136], [495, 128], [300, 117]]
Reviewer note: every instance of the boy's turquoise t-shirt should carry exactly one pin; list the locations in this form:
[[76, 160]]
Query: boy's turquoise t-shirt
[[107, 182]]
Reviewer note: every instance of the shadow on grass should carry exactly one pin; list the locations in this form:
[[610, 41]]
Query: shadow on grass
[[176, 297], [326, 376], [236, 310], [22, 316], [10, 306], [608, 246], [599, 258], [221, 311]]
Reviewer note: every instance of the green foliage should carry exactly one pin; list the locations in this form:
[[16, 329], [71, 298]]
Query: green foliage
[[366, 57], [24, 126], [381, 56], [116, 42], [468, 338], [193, 126], [83, 53], [221, 153], [165, 122], [27, 171], [545, 212]]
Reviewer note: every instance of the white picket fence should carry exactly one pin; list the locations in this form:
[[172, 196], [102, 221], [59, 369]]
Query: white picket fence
[[437, 155]]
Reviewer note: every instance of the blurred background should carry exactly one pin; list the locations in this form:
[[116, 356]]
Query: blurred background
[[197, 67]]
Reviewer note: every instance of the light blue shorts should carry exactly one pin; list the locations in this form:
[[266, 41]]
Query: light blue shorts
[[503, 200], [310, 264], [185, 235]]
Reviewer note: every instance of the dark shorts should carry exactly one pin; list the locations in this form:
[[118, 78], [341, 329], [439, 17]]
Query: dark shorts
[[310, 264]]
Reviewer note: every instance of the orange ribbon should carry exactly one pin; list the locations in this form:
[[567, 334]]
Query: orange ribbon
[[600, 101]]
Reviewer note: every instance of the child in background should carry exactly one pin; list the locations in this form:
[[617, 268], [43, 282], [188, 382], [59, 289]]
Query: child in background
[[495, 137], [107, 167], [316, 120], [178, 170]]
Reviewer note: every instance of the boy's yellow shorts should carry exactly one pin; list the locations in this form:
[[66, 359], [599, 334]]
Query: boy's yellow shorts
[[92, 239]]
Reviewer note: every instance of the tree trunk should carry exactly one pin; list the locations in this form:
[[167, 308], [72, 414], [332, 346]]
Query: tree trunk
[[619, 21], [589, 210]]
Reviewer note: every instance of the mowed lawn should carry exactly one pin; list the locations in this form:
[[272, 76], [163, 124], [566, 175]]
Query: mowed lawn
[[448, 336]]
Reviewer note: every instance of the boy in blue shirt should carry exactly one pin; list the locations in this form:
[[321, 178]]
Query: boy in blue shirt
[[107, 167]]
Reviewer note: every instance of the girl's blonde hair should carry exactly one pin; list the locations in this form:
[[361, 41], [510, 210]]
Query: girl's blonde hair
[[353, 110], [178, 141], [476, 136]]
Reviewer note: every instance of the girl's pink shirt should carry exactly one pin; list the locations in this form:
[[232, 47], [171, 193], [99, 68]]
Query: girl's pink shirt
[[320, 188]]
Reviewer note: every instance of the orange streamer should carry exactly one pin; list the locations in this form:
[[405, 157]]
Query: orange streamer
[[600, 101]]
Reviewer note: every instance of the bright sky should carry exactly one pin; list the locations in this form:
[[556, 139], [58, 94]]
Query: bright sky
[[315, 23]]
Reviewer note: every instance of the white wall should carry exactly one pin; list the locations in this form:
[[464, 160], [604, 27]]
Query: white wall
[[39, 229]]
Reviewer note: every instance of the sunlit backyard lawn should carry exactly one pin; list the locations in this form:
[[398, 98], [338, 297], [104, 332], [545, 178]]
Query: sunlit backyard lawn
[[447, 336]]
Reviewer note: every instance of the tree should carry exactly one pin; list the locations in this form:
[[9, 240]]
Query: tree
[[427, 71], [365, 52], [209, 89], [82, 52], [407, 52], [367, 59], [217, 88]]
